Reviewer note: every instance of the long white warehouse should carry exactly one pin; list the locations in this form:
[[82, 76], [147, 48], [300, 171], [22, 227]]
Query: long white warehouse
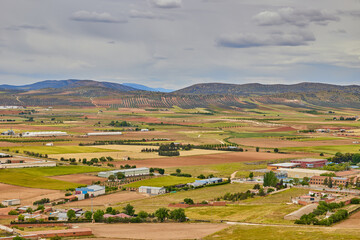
[[44, 134], [103, 133], [127, 172]]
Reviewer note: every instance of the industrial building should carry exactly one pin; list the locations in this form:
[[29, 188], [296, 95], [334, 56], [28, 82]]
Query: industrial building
[[276, 166], [336, 181], [11, 202], [301, 173], [152, 190], [93, 191], [29, 164], [131, 172], [310, 162], [44, 134], [203, 182], [104, 133]]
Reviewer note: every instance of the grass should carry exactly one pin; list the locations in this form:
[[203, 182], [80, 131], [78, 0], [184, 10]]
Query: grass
[[278, 198], [220, 170], [58, 149], [161, 181], [289, 233], [198, 195], [37, 177], [325, 149]]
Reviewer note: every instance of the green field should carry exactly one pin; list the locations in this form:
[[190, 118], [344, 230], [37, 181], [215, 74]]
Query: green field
[[59, 149], [325, 149], [161, 181], [281, 232], [37, 177], [198, 195]]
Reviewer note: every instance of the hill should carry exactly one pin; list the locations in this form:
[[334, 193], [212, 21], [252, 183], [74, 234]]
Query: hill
[[146, 88], [263, 89]]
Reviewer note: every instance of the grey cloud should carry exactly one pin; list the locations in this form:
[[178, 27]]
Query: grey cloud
[[295, 17], [275, 39], [140, 14], [85, 16], [26, 27], [352, 13], [166, 3]]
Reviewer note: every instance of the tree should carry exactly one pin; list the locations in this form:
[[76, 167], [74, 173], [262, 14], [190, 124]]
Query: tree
[[21, 218], [251, 175], [55, 238], [129, 210], [188, 201], [143, 214], [257, 186], [88, 215], [325, 182], [178, 171], [276, 150], [201, 176], [98, 215], [71, 214], [178, 215], [330, 183], [18, 238], [161, 171], [257, 149], [162, 214], [111, 178], [29, 210], [356, 158], [270, 179], [261, 192], [120, 175]]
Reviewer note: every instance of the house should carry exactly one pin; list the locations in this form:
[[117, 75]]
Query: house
[[310, 162], [152, 190], [93, 190], [49, 144], [11, 202]]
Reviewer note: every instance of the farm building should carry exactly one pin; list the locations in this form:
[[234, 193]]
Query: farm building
[[8, 133], [28, 164], [93, 190], [44, 134], [152, 190], [301, 173], [127, 172], [49, 144], [203, 182], [11, 202], [310, 162], [144, 130], [103, 133], [4, 155], [276, 166]]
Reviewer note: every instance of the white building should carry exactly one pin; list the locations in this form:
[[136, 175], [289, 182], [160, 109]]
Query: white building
[[103, 133], [11, 202], [152, 190], [144, 130], [131, 172], [29, 164], [44, 134], [93, 190]]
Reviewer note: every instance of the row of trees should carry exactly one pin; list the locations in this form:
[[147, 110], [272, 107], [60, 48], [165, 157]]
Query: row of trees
[[339, 157]]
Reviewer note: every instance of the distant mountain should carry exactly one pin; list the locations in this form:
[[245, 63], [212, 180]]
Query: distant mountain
[[68, 84], [263, 89], [145, 88]]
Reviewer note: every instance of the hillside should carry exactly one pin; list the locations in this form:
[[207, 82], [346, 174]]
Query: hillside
[[263, 89]]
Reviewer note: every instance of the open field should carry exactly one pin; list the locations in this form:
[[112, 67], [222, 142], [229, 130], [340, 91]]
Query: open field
[[37, 177], [27, 195], [225, 157], [58, 149], [246, 232], [161, 181], [330, 149], [352, 222], [78, 178], [198, 195], [153, 230]]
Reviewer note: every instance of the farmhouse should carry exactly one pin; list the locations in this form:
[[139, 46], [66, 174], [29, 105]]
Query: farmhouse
[[310, 162], [152, 190], [301, 173], [127, 172], [93, 190], [276, 166], [11, 202], [44, 134]]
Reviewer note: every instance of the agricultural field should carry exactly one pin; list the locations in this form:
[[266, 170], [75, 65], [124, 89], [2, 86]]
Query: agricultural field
[[161, 181]]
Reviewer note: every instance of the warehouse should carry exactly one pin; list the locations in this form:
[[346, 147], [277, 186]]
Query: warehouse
[[276, 166], [336, 181], [127, 172], [301, 173], [44, 134], [310, 162], [44, 163], [93, 190], [152, 190], [11, 202]]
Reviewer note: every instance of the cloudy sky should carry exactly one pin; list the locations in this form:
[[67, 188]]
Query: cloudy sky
[[176, 43]]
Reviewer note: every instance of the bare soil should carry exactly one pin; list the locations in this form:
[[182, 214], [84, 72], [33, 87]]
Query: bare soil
[[154, 230], [79, 178], [352, 222]]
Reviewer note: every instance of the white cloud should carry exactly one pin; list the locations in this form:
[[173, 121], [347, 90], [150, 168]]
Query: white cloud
[[85, 16], [142, 14], [166, 3]]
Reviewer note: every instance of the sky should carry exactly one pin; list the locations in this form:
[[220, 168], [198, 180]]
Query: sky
[[177, 43]]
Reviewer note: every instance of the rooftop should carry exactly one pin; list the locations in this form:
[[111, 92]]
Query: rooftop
[[155, 188], [304, 170], [308, 160], [287, 164]]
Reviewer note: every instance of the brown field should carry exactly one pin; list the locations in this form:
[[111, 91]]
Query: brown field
[[272, 143], [153, 230], [352, 222], [27, 195], [281, 129], [79, 178], [209, 159], [107, 200]]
